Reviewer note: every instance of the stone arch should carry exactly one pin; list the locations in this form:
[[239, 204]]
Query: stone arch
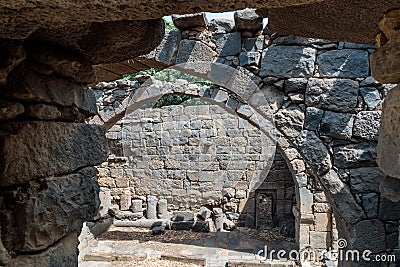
[[258, 116]]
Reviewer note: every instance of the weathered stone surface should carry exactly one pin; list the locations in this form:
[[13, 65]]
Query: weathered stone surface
[[41, 149], [370, 234], [337, 125], [314, 151], [345, 63], [151, 207], [333, 94], [116, 36], [340, 196], [221, 25], [385, 61], [204, 213], [228, 44], [166, 51], [248, 20], [193, 51], [49, 89], [162, 211], [355, 155], [364, 180], [43, 112], [137, 205], [273, 96], [275, 61], [313, 118], [61, 62], [190, 21], [366, 124], [353, 21], [290, 121], [10, 110], [390, 188], [13, 53], [388, 148], [64, 253], [371, 97], [23, 18], [51, 209]]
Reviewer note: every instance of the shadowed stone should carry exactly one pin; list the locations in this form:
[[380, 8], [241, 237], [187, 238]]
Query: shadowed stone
[[49, 148], [337, 125]]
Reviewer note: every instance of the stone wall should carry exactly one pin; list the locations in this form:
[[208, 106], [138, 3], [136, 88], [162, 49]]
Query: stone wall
[[48, 184], [192, 155], [326, 106]]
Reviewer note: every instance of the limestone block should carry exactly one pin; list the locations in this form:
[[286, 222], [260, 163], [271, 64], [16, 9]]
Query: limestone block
[[275, 61], [355, 155], [337, 125], [333, 94], [320, 240], [366, 124], [322, 222], [125, 200], [228, 44], [40, 149], [151, 207], [137, 205], [105, 201], [162, 211], [248, 20], [306, 200], [344, 63]]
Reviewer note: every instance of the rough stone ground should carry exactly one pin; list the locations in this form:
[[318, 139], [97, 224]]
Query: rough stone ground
[[130, 247]]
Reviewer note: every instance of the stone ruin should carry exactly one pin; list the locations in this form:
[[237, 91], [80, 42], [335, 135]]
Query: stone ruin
[[48, 153], [323, 101]]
